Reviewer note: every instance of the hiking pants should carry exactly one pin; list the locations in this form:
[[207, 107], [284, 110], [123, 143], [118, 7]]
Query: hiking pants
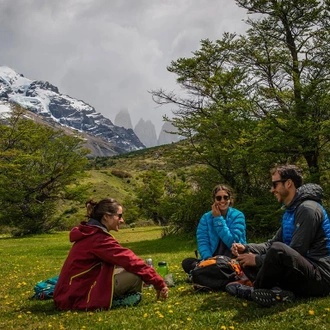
[[126, 282], [284, 267]]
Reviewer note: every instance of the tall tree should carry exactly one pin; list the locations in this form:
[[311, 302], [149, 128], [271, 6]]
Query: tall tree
[[212, 115], [286, 53], [38, 166], [150, 194], [265, 93]]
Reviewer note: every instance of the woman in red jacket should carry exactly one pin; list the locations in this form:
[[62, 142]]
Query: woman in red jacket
[[99, 273]]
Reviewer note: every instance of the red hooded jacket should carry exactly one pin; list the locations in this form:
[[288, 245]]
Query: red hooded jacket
[[86, 279]]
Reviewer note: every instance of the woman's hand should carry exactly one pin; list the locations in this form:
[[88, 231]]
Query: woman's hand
[[216, 210], [163, 293], [237, 249]]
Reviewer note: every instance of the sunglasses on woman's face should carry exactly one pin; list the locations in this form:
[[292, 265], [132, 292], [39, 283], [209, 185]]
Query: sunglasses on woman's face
[[119, 215], [219, 198]]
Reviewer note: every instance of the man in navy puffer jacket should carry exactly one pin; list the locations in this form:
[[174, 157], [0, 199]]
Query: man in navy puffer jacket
[[296, 261]]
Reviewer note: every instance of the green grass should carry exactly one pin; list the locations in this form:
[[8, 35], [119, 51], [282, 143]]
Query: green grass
[[27, 260]]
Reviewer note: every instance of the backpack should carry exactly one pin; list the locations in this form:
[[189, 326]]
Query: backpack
[[45, 289], [215, 273]]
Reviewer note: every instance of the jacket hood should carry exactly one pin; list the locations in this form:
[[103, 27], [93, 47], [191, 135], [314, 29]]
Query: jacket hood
[[85, 229], [308, 191]]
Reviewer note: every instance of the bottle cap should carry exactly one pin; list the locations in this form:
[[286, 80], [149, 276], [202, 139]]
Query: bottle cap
[[149, 261], [162, 263]]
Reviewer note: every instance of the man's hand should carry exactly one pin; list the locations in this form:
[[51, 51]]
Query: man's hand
[[163, 293], [247, 259]]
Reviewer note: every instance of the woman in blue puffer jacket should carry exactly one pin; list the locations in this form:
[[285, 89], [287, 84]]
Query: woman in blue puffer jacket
[[219, 228]]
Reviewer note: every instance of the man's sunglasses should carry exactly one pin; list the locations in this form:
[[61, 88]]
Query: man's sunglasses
[[219, 198], [274, 183]]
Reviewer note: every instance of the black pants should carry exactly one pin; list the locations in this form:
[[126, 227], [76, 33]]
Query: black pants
[[286, 268]]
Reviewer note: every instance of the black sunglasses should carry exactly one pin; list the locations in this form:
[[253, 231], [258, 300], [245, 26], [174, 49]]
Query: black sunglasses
[[274, 183], [219, 198], [119, 215]]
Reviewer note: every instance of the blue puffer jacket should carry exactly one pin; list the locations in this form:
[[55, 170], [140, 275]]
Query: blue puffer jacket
[[213, 230]]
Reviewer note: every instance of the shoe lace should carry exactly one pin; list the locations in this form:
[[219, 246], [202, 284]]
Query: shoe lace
[[244, 292]]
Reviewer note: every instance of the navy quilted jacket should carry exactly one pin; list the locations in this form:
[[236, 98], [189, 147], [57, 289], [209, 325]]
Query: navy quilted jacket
[[305, 228]]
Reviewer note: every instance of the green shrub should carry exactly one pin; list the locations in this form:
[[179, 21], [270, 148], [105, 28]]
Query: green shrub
[[121, 174]]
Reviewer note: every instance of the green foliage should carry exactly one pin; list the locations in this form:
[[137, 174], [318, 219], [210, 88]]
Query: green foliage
[[131, 210], [121, 174], [263, 216], [289, 72], [259, 99], [189, 209], [38, 166], [149, 194]]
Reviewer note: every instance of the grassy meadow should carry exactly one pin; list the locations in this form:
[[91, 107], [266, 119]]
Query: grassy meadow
[[27, 260]]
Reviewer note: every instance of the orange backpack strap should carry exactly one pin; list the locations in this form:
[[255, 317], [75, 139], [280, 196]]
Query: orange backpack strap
[[207, 262], [236, 266]]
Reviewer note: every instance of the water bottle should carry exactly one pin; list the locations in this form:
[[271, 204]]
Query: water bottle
[[149, 263], [162, 269]]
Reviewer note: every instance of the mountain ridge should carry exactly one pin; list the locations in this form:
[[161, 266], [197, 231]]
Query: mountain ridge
[[44, 100]]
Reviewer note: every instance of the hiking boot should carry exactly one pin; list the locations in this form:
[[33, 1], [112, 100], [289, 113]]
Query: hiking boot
[[267, 298], [239, 290], [130, 299]]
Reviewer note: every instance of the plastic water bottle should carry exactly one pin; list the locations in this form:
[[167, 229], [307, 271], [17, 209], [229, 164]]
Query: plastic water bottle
[[162, 269], [149, 263]]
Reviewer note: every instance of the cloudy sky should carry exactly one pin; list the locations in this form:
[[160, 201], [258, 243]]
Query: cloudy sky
[[110, 53]]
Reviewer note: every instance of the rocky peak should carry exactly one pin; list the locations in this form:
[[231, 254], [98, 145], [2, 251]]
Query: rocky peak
[[168, 134], [146, 132], [123, 119]]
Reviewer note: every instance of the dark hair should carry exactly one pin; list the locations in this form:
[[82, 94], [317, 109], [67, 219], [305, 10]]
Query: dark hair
[[96, 210], [227, 189], [292, 172]]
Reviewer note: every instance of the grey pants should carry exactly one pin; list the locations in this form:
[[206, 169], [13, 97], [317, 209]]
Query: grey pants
[[126, 282]]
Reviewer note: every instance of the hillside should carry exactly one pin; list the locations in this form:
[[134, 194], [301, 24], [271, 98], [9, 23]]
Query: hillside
[[118, 176]]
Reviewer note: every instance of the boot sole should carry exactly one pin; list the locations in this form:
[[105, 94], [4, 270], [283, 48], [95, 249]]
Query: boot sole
[[267, 298]]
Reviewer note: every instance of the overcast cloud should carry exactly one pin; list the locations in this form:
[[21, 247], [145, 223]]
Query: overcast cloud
[[110, 53]]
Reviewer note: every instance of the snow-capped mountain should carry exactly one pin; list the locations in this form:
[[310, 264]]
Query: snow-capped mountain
[[45, 100]]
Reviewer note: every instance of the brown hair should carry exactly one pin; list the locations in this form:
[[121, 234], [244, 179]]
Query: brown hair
[[287, 172], [96, 210], [227, 189]]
